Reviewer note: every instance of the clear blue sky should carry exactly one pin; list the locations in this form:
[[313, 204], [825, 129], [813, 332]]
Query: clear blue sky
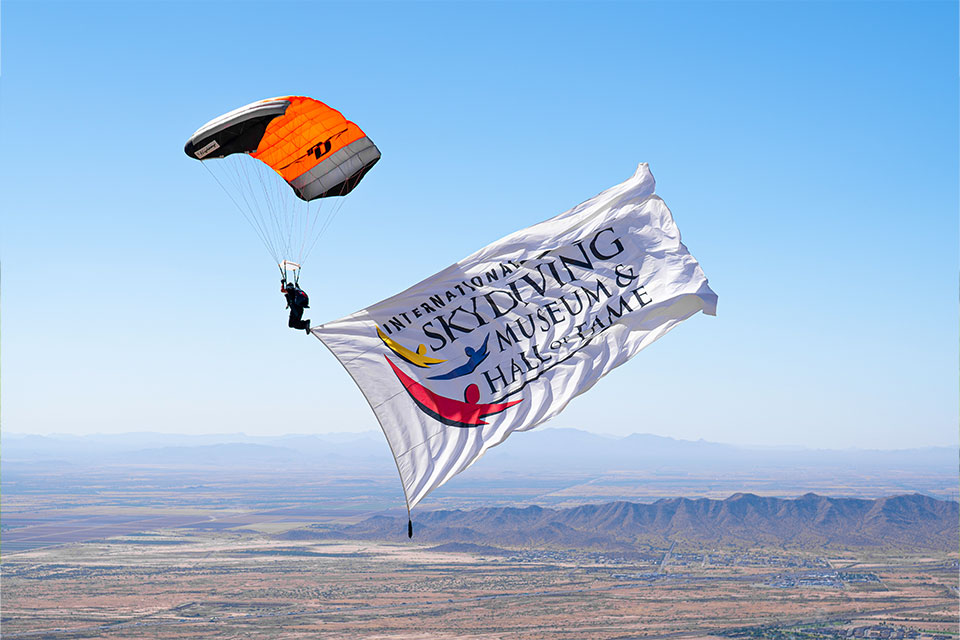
[[809, 153]]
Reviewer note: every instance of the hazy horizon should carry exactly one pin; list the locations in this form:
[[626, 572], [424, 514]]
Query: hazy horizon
[[376, 433]]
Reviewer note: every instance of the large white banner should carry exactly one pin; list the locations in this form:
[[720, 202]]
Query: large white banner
[[502, 340]]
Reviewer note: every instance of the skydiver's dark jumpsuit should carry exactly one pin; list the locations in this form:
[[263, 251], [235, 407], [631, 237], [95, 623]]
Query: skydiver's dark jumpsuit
[[296, 311]]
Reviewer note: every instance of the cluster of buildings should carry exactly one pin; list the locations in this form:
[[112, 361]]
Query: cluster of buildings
[[882, 631], [830, 579]]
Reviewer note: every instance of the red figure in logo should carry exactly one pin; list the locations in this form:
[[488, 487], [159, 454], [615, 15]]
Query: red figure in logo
[[447, 410]]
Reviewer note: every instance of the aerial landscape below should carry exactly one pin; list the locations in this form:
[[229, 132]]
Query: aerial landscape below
[[220, 537], [498, 320]]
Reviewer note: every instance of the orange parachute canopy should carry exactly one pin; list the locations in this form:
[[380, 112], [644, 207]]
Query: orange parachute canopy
[[309, 145], [312, 146]]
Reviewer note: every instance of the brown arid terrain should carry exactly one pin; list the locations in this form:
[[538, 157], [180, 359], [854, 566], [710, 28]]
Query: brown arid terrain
[[175, 584], [200, 577]]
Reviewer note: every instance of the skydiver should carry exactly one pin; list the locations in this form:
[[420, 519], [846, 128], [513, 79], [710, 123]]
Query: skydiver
[[297, 301]]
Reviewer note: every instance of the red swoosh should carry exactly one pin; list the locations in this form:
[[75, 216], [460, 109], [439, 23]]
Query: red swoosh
[[447, 410]]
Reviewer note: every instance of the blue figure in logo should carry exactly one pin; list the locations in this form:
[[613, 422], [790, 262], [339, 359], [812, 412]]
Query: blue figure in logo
[[474, 358]]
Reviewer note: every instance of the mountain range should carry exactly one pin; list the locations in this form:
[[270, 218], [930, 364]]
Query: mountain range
[[910, 522]]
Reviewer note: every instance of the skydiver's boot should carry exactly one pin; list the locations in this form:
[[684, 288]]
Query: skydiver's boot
[[307, 328]]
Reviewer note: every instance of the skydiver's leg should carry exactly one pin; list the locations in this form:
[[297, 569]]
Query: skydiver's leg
[[296, 318]]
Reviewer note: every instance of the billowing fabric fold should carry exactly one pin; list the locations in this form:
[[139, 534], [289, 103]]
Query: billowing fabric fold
[[504, 339]]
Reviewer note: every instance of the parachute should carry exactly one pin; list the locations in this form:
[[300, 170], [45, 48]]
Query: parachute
[[293, 139]]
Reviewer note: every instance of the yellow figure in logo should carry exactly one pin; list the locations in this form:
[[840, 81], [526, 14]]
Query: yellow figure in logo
[[417, 358]]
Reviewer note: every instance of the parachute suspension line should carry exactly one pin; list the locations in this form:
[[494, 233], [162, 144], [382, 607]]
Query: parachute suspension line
[[309, 226], [237, 170], [304, 228], [286, 224], [269, 205], [314, 230], [333, 214], [270, 215], [314, 235], [231, 173], [334, 210], [255, 227]]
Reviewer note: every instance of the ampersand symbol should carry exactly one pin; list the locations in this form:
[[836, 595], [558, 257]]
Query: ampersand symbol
[[625, 275]]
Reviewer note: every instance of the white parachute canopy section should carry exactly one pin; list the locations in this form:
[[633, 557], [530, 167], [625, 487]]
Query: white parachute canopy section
[[502, 340]]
